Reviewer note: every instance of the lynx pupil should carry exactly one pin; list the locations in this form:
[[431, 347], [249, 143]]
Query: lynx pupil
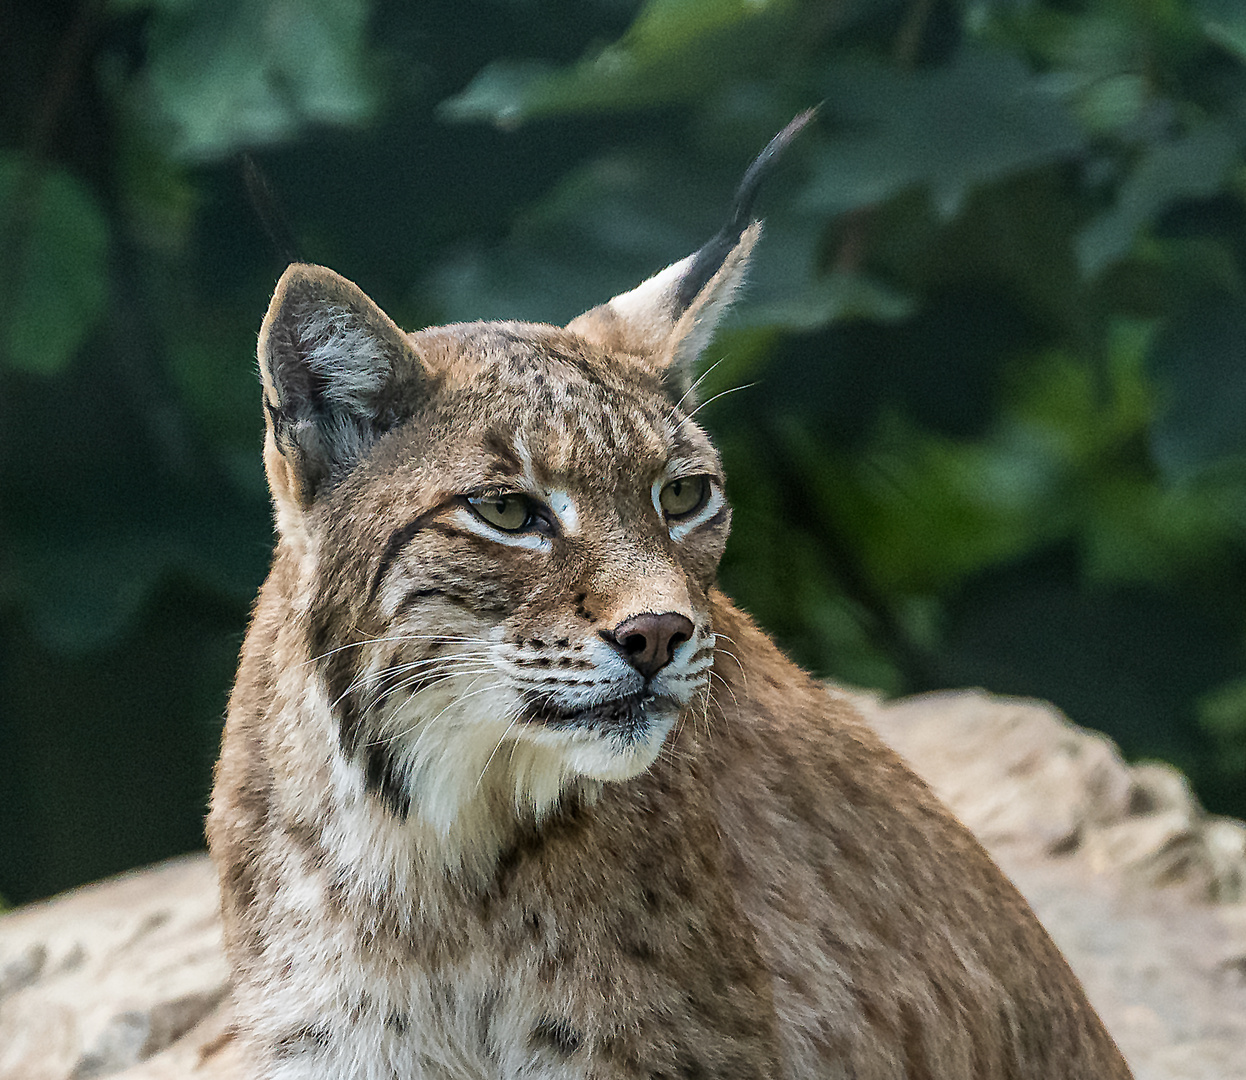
[[683, 496], [510, 513]]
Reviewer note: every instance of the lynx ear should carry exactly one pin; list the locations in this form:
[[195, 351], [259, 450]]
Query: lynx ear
[[669, 319], [337, 374]]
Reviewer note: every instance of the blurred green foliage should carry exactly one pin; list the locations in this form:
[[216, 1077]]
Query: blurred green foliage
[[995, 341]]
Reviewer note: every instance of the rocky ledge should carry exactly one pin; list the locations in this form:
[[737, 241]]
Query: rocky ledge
[[1144, 892]]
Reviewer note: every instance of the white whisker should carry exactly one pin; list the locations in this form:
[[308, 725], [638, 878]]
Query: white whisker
[[450, 663], [727, 687], [693, 388], [431, 678], [395, 639], [426, 725], [710, 401], [489, 761], [411, 688]]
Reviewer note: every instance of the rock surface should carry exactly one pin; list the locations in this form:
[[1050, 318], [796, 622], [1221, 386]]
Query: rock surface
[[1144, 892], [127, 972]]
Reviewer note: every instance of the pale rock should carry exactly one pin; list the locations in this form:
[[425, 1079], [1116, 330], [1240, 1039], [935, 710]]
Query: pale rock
[[1141, 889]]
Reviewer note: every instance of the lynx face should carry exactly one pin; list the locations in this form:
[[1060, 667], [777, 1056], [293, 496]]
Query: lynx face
[[533, 543], [503, 535]]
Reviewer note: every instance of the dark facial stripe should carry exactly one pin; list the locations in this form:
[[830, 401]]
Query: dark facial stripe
[[381, 777], [380, 767], [399, 539], [556, 1034], [703, 651], [476, 603], [505, 460]]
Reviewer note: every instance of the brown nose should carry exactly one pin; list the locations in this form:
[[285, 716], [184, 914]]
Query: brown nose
[[648, 641]]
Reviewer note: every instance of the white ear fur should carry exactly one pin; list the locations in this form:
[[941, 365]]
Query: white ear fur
[[650, 322], [349, 360], [646, 311]]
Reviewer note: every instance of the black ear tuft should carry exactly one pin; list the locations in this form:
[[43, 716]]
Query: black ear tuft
[[669, 319], [711, 255], [337, 373], [267, 208]]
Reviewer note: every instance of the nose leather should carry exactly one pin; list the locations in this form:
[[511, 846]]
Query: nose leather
[[648, 641]]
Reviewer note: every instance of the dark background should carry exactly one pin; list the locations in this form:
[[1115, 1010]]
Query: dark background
[[996, 334]]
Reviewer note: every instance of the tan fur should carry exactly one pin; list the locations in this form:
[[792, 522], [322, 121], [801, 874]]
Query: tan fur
[[459, 834]]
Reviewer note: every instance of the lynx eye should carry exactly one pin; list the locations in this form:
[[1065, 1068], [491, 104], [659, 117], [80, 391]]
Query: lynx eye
[[684, 496], [508, 512]]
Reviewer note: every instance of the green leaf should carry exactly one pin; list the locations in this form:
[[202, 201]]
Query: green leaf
[[829, 299], [128, 7], [675, 51], [1224, 22], [80, 597], [925, 511], [1195, 165], [603, 229], [230, 73], [156, 195], [616, 220], [1111, 104], [1199, 359], [1222, 714], [1103, 38], [979, 118], [54, 283], [1136, 530], [1013, 238]]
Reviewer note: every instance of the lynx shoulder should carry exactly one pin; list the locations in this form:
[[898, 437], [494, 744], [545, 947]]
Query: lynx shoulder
[[509, 789]]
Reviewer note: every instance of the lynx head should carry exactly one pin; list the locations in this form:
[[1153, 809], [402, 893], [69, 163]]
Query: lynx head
[[506, 533]]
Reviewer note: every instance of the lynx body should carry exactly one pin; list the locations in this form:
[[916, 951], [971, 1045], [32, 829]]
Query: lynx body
[[509, 789]]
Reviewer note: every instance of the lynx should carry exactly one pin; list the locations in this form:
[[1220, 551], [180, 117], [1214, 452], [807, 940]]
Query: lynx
[[509, 789]]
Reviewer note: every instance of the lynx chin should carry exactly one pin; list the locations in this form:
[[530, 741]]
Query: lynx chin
[[509, 789]]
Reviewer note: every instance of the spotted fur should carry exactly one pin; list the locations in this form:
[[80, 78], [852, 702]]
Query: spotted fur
[[465, 830]]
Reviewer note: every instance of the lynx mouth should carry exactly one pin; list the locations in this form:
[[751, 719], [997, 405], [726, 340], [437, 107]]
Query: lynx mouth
[[625, 720]]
